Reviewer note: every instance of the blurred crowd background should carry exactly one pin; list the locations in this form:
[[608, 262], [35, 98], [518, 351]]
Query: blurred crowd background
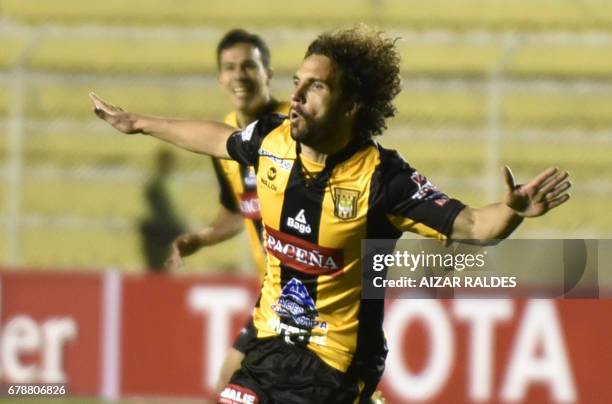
[[485, 83]]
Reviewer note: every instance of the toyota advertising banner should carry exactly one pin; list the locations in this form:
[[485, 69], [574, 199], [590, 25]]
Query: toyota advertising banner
[[109, 335]]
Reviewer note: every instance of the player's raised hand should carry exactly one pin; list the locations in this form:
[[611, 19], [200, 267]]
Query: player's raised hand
[[121, 120], [546, 191]]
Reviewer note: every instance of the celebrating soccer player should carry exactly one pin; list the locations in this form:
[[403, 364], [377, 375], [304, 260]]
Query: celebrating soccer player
[[324, 185]]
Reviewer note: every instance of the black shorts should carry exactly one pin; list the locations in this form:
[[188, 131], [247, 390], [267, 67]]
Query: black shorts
[[247, 335], [274, 372]]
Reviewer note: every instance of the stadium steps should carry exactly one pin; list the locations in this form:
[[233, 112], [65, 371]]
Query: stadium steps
[[196, 57], [122, 200], [98, 199], [421, 107], [77, 151], [82, 249], [11, 48], [80, 173], [98, 147], [498, 15]]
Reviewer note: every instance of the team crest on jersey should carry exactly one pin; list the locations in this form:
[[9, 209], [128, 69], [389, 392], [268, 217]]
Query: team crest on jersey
[[345, 203]]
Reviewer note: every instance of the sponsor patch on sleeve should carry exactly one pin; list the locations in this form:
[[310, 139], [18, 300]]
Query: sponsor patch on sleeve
[[426, 190]]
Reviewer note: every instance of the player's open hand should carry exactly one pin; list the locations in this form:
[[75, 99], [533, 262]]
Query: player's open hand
[[121, 120], [545, 192], [175, 260], [183, 246]]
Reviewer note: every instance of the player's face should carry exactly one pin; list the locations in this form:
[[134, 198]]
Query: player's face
[[316, 102], [244, 77]]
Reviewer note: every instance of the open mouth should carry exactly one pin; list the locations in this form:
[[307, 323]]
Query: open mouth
[[242, 91], [294, 116]]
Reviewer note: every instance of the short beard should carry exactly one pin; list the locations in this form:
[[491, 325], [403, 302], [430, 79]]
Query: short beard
[[298, 137]]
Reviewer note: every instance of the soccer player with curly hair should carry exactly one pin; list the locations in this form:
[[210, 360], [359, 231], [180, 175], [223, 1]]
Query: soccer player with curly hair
[[325, 184]]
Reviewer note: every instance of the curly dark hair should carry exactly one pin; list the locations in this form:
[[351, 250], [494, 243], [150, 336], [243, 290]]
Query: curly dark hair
[[370, 73]]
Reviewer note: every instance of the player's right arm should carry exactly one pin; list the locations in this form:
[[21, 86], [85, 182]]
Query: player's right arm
[[226, 225], [206, 137]]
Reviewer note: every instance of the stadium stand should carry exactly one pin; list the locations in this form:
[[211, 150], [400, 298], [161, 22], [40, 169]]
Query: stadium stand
[[537, 73], [464, 15]]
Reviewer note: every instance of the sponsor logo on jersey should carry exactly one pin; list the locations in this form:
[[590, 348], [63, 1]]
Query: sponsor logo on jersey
[[345, 203], [295, 306], [283, 163], [249, 205], [271, 173], [267, 182], [299, 223], [297, 313], [302, 255], [234, 394], [426, 190]]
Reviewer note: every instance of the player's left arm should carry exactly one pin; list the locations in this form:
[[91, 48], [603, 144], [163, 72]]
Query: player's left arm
[[497, 221]]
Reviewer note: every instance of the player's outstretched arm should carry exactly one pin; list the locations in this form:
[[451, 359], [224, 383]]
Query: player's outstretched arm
[[546, 191], [226, 225], [204, 137]]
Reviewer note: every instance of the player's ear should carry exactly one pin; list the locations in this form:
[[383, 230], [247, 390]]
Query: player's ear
[[352, 108], [270, 73]]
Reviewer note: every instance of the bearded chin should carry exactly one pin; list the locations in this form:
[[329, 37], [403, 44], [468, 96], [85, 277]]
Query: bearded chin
[[297, 134]]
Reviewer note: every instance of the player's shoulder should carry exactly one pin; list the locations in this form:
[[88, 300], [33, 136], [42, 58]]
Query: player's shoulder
[[282, 108], [266, 124], [231, 119], [391, 162], [396, 177], [228, 167]]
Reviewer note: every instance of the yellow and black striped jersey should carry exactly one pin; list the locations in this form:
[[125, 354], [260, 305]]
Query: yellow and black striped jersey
[[238, 192], [315, 219]]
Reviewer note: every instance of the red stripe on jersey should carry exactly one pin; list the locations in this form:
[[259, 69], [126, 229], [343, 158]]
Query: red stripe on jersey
[[303, 255], [249, 205]]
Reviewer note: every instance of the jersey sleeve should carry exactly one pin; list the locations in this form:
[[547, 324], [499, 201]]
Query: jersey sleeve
[[243, 145], [226, 196], [415, 204]]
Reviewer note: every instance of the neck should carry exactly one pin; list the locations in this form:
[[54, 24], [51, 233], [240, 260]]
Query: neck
[[313, 155], [319, 153], [245, 117]]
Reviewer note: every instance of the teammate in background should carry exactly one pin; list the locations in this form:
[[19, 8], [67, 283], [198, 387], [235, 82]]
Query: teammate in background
[[324, 185], [243, 62]]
